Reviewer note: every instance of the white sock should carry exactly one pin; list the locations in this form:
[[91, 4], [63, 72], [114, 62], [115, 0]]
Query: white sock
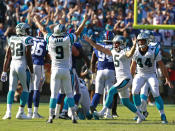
[[29, 110], [108, 111], [143, 105], [9, 108], [35, 110], [139, 114], [57, 109], [161, 112], [103, 110], [21, 109], [51, 112]]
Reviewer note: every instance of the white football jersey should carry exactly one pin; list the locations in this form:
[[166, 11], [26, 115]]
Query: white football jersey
[[60, 50], [18, 46], [121, 63], [146, 64]]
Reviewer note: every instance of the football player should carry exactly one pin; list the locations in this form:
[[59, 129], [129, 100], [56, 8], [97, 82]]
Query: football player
[[121, 59], [144, 61], [39, 54], [18, 56], [105, 77], [59, 45]]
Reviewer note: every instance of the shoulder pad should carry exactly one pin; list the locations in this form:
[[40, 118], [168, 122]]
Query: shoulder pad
[[28, 41]]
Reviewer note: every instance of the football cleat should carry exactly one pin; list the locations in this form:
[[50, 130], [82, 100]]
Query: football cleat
[[37, 115], [50, 120], [99, 114], [30, 115], [140, 119], [108, 116], [145, 113], [7, 116], [22, 115], [163, 119], [115, 115], [64, 115]]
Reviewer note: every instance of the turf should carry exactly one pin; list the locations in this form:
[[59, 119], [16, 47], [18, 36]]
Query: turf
[[124, 122]]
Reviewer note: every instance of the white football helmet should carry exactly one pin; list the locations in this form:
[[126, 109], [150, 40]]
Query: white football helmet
[[143, 36], [121, 40], [23, 29], [59, 30]]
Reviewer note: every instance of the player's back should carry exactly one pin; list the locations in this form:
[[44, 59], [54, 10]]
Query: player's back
[[38, 50], [104, 61], [121, 63], [18, 46], [60, 51]]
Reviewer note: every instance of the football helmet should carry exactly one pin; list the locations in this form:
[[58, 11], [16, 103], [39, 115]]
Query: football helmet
[[143, 36], [119, 39], [59, 30], [23, 29], [150, 35], [108, 37]]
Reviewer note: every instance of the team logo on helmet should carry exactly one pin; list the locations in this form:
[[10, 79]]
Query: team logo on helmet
[[143, 36], [108, 37], [23, 29], [59, 30]]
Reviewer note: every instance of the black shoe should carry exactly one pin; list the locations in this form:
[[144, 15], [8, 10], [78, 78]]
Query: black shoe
[[92, 109], [50, 120], [145, 113], [114, 114], [74, 121], [64, 115]]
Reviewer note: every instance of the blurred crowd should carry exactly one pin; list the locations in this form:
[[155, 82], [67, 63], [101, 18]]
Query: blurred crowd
[[112, 15]]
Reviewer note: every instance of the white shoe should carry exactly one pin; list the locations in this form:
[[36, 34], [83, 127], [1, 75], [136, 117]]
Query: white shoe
[[140, 119], [30, 115], [99, 114], [108, 116], [22, 115], [7, 116], [37, 115]]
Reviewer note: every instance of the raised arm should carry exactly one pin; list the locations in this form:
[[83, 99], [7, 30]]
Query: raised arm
[[80, 28], [132, 50], [39, 25], [98, 47]]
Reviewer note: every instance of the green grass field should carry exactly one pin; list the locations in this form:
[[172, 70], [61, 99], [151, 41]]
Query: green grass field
[[123, 123]]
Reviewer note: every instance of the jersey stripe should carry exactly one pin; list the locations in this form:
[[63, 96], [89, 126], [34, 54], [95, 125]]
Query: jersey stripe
[[156, 51], [47, 37], [71, 38]]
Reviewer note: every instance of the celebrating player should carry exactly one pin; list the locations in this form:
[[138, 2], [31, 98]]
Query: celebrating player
[[144, 61], [59, 44], [121, 59]]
